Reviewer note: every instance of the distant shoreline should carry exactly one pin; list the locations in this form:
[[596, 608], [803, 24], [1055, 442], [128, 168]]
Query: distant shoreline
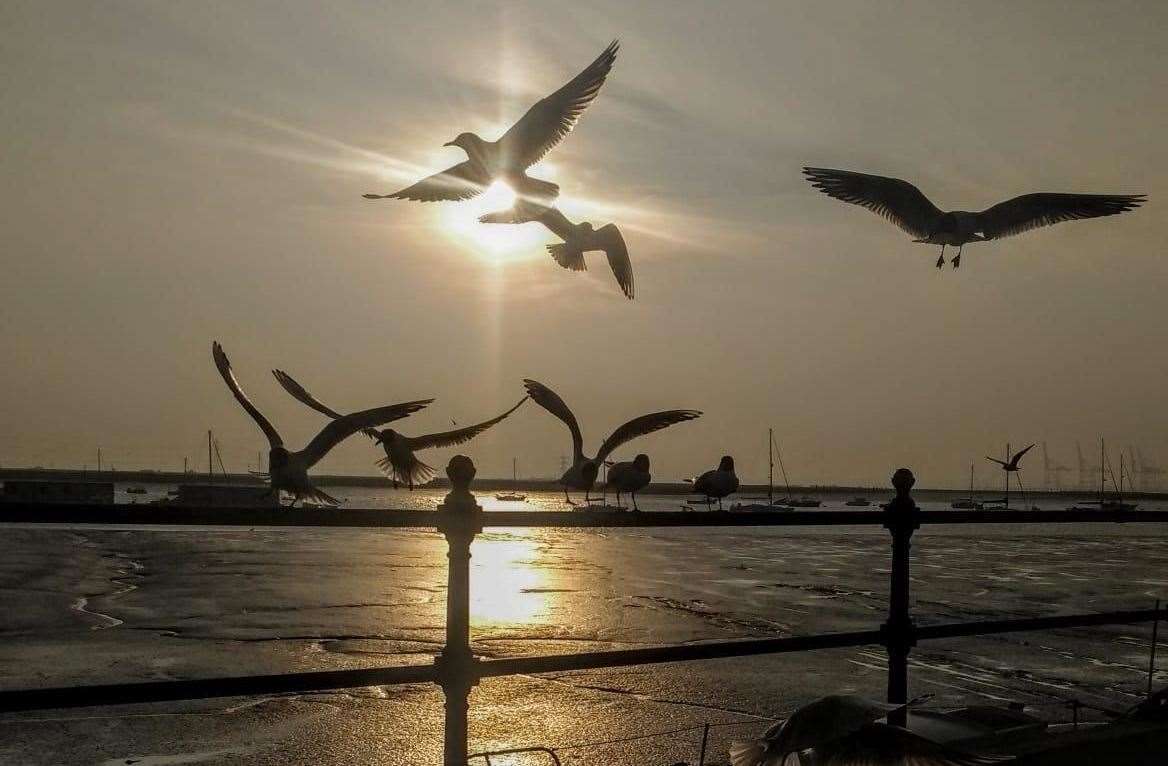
[[527, 485]]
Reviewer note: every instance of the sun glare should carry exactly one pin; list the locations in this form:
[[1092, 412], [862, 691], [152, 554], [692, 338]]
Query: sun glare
[[494, 242], [511, 585]]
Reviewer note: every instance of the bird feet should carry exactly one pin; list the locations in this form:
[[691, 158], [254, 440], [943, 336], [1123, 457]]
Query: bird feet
[[956, 261], [940, 261]]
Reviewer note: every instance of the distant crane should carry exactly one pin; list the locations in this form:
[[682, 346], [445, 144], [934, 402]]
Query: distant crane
[[1150, 475], [1087, 472], [1052, 470]]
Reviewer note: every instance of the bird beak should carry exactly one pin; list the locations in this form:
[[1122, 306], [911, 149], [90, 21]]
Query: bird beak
[[450, 143]]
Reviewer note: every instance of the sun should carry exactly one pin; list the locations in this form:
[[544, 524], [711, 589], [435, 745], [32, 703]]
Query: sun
[[493, 242]]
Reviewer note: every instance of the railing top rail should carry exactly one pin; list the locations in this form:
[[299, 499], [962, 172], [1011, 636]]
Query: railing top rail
[[37, 513]]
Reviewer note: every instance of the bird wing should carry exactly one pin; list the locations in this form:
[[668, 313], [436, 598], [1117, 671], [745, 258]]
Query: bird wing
[[894, 199], [646, 424], [609, 239], [1031, 211], [884, 745], [520, 212], [451, 438], [345, 426], [557, 223], [459, 182], [301, 395], [224, 365], [1018, 455], [551, 401], [995, 460], [552, 118]]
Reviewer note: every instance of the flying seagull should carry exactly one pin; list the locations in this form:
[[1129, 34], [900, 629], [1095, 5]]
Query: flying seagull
[[719, 482], [578, 239], [583, 471], [543, 127], [288, 471], [905, 205], [845, 731], [1011, 466], [630, 476], [399, 464]]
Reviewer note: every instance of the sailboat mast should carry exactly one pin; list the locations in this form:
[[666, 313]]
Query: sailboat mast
[[1007, 503], [771, 470], [514, 470], [1102, 471], [210, 465]]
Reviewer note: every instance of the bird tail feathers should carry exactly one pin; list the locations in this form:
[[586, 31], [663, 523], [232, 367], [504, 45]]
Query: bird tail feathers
[[414, 473], [568, 257]]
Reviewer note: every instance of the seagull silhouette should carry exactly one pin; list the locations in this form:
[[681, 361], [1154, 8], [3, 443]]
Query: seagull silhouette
[[630, 476], [720, 482], [845, 731], [1013, 465], [543, 127], [399, 464], [288, 471], [905, 205], [582, 473], [578, 239]]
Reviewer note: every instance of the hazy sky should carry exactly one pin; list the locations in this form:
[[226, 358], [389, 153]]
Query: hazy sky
[[174, 173]]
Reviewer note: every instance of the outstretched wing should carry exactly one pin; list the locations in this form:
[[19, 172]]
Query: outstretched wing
[[451, 438], [609, 239], [300, 394], [345, 426], [646, 424], [1018, 455], [552, 118], [883, 745], [1002, 463], [224, 366], [894, 199], [1031, 211], [462, 181], [551, 401]]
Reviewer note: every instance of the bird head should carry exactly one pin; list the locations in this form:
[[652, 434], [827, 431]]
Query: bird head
[[388, 436], [726, 463], [464, 141], [641, 462], [586, 227]]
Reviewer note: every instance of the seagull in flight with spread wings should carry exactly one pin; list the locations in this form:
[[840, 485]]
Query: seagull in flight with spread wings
[[905, 205], [399, 464], [1013, 465], [579, 238], [583, 471], [543, 127], [288, 471]]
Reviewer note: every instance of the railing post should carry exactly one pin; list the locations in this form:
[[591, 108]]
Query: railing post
[[460, 519], [900, 519]]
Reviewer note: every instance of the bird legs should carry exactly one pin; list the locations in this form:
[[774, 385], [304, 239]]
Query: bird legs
[[957, 258], [635, 508], [941, 258]]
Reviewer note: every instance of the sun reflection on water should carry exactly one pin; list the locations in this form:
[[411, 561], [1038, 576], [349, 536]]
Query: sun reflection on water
[[509, 583]]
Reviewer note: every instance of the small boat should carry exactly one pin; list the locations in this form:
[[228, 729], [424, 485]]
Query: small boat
[[773, 503], [967, 503], [135, 490], [859, 502], [1105, 504], [801, 502], [512, 496]]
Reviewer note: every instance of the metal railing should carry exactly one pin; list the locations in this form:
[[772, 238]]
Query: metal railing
[[457, 670]]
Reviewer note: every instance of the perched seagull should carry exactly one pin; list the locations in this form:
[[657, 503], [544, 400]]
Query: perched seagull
[[288, 471], [905, 205], [843, 731], [399, 464], [579, 238], [630, 477], [1012, 466], [718, 483], [583, 471], [543, 127]]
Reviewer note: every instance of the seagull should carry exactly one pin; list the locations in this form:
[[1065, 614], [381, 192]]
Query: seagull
[[905, 205], [718, 483], [543, 127], [843, 731], [578, 239], [399, 463], [630, 477], [288, 471], [1012, 466], [583, 471]]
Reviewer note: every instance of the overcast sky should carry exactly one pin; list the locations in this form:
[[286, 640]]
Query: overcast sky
[[174, 173]]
